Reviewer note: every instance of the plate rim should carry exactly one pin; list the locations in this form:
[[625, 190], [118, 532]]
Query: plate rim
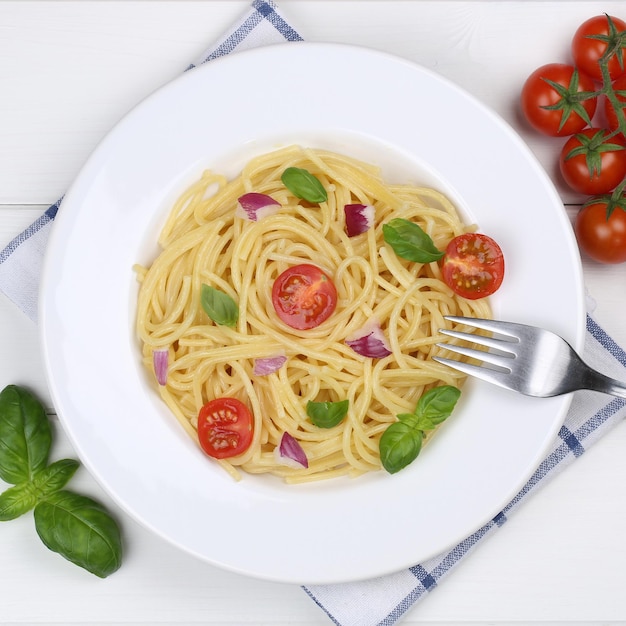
[[45, 290]]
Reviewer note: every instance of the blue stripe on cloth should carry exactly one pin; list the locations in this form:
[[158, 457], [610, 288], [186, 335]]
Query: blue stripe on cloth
[[599, 418], [565, 450], [428, 579], [459, 551], [571, 441], [545, 467], [264, 10], [570, 449], [425, 577], [26, 234], [314, 598], [267, 9], [605, 341], [500, 519], [236, 38]]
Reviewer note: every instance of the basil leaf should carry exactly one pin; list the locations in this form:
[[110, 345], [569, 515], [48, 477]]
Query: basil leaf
[[410, 242], [399, 445], [219, 306], [304, 185], [327, 414], [17, 500], [410, 419], [437, 403], [54, 477], [418, 422], [80, 529], [25, 435], [401, 442]]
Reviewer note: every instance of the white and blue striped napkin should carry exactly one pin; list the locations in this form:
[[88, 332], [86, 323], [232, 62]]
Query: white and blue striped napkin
[[21, 261], [382, 601]]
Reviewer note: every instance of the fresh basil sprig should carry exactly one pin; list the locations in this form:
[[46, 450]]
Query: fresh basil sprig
[[24, 496], [410, 242], [327, 414], [304, 185], [76, 527], [401, 442], [219, 306]]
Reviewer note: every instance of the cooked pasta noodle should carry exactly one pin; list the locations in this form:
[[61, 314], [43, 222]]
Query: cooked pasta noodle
[[204, 242]]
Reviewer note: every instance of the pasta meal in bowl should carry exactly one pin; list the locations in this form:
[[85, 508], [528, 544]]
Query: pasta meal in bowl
[[290, 319]]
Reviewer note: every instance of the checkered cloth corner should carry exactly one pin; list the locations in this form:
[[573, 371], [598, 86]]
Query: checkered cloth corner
[[384, 601], [381, 601], [21, 261]]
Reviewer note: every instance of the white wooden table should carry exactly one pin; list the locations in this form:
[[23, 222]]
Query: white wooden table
[[68, 71]]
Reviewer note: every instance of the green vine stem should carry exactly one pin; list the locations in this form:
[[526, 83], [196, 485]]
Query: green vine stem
[[616, 42]]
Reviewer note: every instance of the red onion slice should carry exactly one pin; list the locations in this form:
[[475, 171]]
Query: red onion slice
[[289, 452], [359, 218], [255, 206], [268, 365], [370, 341], [160, 363]]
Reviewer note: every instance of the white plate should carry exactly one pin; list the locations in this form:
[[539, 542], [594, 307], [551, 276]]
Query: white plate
[[360, 102]]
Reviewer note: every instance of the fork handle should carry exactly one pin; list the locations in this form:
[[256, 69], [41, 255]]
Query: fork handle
[[605, 384]]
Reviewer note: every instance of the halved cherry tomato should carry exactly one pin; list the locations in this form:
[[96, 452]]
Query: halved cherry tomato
[[602, 237], [224, 428], [304, 296], [473, 266], [598, 165], [554, 109], [591, 41]]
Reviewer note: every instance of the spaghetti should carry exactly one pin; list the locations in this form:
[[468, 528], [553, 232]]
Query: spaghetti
[[204, 242]]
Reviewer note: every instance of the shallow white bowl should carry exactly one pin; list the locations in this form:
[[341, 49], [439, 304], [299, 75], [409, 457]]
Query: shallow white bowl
[[419, 128]]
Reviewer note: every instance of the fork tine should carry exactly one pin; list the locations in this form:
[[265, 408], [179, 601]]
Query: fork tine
[[499, 360], [488, 342], [495, 377], [502, 328]]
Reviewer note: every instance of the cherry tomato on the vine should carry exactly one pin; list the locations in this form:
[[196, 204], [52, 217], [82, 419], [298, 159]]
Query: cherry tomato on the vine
[[473, 266], [591, 41], [551, 100], [592, 165], [611, 117], [600, 237], [304, 296], [225, 428]]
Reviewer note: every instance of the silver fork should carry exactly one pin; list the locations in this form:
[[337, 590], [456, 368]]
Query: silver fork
[[526, 359]]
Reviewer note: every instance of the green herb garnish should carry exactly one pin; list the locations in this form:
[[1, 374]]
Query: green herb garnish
[[401, 442], [219, 306], [304, 185], [80, 529], [76, 527], [327, 414], [410, 242]]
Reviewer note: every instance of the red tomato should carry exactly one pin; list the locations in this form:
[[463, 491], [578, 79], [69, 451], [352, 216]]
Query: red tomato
[[224, 428], [473, 266], [611, 117], [587, 51], [602, 238], [304, 296], [555, 111], [596, 169]]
